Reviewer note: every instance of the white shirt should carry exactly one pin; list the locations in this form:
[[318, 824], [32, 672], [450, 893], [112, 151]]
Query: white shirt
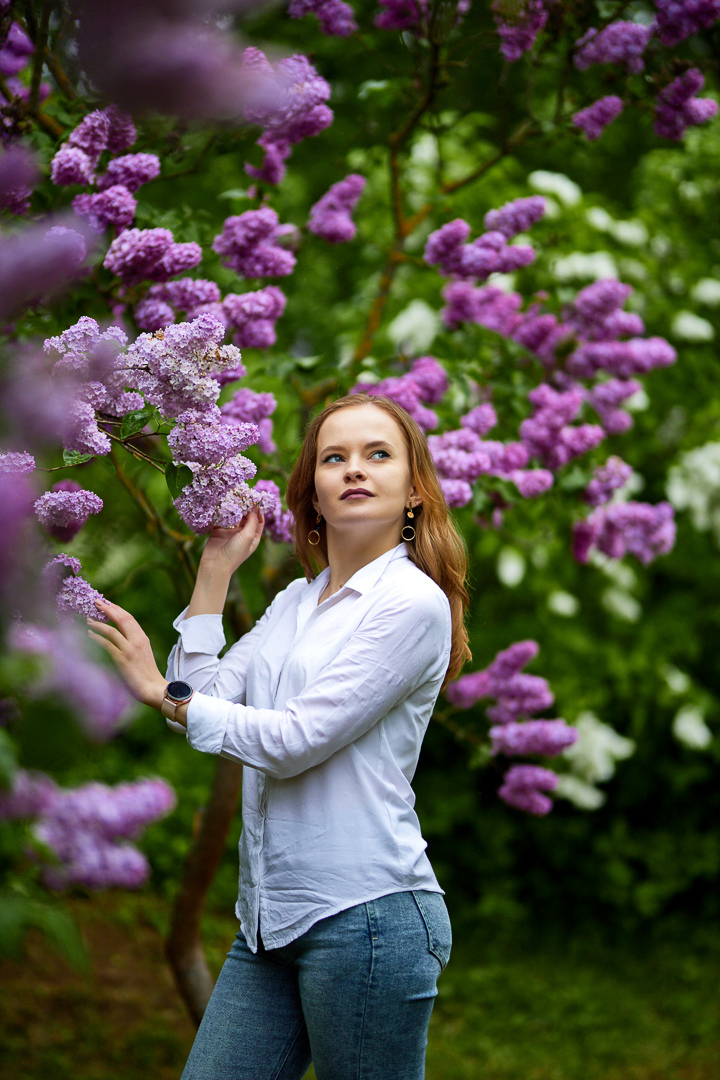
[[326, 706]]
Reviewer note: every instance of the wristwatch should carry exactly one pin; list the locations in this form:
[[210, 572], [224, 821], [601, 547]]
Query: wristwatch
[[176, 693]]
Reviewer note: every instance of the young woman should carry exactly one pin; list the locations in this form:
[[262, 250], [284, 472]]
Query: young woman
[[344, 930]]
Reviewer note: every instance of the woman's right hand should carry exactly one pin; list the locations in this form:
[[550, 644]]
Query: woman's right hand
[[227, 549]]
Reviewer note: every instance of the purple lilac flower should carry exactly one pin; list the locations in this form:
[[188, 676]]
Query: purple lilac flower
[[71, 166], [678, 19], [480, 419], [605, 399], [30, 794], [548, 434], [431, 377], [488, 306], [82, 827], [95, 694], [77, 597], [16, 463], [91, 135], [153, 314], [677, 108], [201, 437], [175, 368], [595, 304], [248, 407], [248, 245], [114, 206], [532, 483], [523, 785], [69, 561], [82, 434], [83, 345], [18, 175], [457, 492], [186, 294], [279, 523], [131, 171], [401, 14], [460, 455], [620, 358], [16, 501], [177, 259], [546, 737], [253, 315], [15, 51], [330, 215], [541, 334], [607, 478], [618, 43], [595, 118], [640, 529], [220, 496], [517, 694], [336, 18], [64, 510], [121, 131], [489, 253], [136, 253], [516, 217], [288, 101], [518, 25]]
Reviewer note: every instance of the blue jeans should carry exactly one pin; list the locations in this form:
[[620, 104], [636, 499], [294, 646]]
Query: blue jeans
[[353, 995]]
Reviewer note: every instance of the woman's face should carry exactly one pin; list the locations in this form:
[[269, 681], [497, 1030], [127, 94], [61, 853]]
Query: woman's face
[[362, 471]]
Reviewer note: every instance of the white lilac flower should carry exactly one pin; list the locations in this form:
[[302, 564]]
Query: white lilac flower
[[598, 748], [690, 729], [552, 183], [694, 485]]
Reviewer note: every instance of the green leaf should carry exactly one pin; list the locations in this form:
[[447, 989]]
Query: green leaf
[[74, 457], [135, 421], [307, 362], [18, 914], [177, 477]]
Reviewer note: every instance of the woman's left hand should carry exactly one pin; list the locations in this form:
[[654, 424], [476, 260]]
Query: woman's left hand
[[130, 649]]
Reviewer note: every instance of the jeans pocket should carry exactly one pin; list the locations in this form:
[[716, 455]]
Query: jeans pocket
[[437, 923]]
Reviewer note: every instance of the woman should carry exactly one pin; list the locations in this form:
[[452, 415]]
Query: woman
[[344, 931]]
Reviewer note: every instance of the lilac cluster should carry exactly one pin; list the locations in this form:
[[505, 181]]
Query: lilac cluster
[[75, 596], [16, 462], [678, 19], [175, 368], [488, 254], [193, 296], [606, 397], [516, 216], [64, 510], [140, 254], [82, 827], [607, 478], [549, 434], [103, 130], [518, 696], [37, 264], [330, 216], [250, 407], [15, 54], [677, 108], [16, 50], [640, 529], [618, 43], [114, 206], [523, 786], [637, 356], [248, 245], [287, 100], [423, 385], [95, 694], [595, 118], [402, 14], [486, 305], [336, 18], [279, 523], [253, 315], [518, 25], [200, 437]]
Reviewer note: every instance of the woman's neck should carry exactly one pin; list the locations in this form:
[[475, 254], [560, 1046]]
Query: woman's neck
[[347, 555]]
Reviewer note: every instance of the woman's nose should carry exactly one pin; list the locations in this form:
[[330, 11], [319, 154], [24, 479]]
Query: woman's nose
[[354, 469]]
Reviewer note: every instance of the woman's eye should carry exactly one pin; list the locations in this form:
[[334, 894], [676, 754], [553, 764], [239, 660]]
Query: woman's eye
[[383, 452], [331, 457]]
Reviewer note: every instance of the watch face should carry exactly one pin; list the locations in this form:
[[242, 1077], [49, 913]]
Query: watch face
[[178, 690]]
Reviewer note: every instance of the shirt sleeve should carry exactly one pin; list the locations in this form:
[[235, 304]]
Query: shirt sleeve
[[195, 657], [396, 648]]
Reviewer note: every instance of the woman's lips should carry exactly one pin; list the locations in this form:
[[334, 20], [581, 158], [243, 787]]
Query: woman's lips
[[356, 495]]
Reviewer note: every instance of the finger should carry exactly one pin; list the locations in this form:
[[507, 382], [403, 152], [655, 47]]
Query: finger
[[107, 632], [105, 644]]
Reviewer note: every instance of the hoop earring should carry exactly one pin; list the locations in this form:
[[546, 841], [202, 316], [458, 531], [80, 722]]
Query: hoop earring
[[315, 533], [407, 526]]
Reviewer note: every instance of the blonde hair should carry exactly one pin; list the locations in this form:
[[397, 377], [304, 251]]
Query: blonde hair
[[437, 548]]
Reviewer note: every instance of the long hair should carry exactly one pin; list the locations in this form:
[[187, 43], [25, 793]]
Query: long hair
[[437, 548]]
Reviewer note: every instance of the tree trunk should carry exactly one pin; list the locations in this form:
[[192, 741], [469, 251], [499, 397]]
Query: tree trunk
[[183, 946]]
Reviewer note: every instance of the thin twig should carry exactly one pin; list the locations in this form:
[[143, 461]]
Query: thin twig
[[39, 57]]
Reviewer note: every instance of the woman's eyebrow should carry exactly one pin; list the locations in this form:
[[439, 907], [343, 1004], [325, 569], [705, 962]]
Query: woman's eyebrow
[[367, 446]]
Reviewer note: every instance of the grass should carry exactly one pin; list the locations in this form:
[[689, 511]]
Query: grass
[[562, 1010]]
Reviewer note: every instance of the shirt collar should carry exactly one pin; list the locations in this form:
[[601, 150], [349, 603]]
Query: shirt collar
[[369, 575]]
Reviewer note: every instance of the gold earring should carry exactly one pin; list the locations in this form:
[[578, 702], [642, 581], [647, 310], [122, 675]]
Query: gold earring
[[315, 533], [407, 527]]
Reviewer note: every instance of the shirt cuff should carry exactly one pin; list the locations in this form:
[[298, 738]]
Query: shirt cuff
[[206, 722], [201, 633]]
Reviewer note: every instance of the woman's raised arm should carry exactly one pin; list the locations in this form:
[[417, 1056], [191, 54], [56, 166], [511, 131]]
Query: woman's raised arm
[[225, 551]]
